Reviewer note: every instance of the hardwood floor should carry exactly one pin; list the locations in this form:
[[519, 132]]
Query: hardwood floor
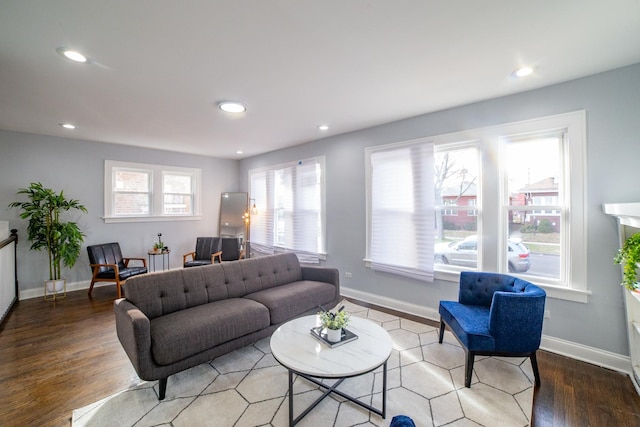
[[59, 356]]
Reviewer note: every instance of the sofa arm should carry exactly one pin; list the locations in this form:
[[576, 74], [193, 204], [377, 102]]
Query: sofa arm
[[134, 332], [322, 274]]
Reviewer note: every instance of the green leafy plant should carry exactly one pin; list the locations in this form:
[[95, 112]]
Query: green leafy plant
[[337, 320], [629, 256], [47, 230], [159, 245]]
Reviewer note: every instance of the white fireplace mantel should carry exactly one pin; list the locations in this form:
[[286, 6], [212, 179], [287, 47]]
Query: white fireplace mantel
[[628, 217], [626, 213]]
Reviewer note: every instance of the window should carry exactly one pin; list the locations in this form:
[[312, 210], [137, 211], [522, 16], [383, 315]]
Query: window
[[177, 191], [449, 212], [400, 214], [144, 192], [507, 198], [131, 192], [523, 205], [456, 175], [290, 199], [473, 212]]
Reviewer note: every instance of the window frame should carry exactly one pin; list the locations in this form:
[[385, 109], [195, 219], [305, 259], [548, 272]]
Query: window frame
[[156, 198], [420, 271], [572, 284], [492, 215], [278, 246]]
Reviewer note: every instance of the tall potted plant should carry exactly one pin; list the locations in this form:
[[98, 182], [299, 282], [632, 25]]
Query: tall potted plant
[[47, 230]]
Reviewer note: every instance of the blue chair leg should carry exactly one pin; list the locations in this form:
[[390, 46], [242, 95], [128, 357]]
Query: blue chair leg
[[468, 368], [534, 366], [441, 331]]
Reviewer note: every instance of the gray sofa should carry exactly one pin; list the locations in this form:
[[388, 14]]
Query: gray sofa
[[177, 319]]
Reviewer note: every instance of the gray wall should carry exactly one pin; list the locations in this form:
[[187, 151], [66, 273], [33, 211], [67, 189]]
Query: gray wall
[[612, 102], [77, 167]]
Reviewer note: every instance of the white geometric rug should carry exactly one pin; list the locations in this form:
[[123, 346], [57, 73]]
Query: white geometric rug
[[249, 388]]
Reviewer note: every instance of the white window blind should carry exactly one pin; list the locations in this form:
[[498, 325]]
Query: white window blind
[[401, 209], [292, 199]]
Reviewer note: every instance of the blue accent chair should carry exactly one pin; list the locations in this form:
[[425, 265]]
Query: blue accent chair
[[495, 315]]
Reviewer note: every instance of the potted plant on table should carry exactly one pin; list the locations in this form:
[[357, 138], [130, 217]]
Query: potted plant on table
[[629, 256], [47, 230], [159, 247], [333, 323]]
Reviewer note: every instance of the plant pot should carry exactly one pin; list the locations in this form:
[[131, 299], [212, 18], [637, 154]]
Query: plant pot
[[55, 289], [334, 335], [54, 285]]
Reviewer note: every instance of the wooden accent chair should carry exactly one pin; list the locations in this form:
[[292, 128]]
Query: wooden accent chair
[[208, 251], [108, 265], [231, 249], [495, 315]]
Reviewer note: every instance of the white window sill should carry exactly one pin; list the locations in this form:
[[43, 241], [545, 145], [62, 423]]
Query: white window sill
[[109, 220]]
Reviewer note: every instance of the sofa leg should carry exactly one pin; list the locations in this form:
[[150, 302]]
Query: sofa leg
[[91, 287], [162, 388], [468, 368], [534, 366], [441, 331]]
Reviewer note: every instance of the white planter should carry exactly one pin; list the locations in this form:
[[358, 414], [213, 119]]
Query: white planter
[[334, 335], [55, 289], [55, 285]]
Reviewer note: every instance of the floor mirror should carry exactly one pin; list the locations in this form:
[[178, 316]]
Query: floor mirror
[[232, 209]]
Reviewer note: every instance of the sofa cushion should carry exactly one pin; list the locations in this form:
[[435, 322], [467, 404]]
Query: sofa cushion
[[184, 333], [288, 301]]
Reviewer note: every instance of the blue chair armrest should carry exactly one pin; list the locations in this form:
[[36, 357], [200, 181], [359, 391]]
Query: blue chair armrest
[[515, 319]]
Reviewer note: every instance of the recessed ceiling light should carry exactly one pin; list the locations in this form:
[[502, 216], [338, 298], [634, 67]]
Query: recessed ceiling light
[[67, 125], [232, 106], [323, 127], [72, 55], [239, 152], [523, 72]]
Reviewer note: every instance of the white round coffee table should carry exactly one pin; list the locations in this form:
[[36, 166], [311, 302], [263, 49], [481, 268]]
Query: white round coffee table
[[293, 346]]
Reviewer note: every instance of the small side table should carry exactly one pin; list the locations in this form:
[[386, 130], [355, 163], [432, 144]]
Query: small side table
[[152, 260]]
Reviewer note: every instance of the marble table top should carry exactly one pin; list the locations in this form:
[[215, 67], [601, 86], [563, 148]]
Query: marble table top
[[293, 347]]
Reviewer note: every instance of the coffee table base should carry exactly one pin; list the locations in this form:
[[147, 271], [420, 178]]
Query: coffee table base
[[333, 389]]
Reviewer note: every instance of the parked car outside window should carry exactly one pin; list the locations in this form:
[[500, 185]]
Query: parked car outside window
[[465, 253]]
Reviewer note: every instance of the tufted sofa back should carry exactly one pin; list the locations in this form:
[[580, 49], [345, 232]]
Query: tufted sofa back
[[157, 294]]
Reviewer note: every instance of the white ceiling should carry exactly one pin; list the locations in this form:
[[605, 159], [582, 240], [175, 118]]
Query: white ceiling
[[160, 66]]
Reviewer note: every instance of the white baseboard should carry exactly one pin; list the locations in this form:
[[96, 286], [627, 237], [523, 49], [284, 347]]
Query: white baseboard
[[595, 356], [71, 286], [405, 307]]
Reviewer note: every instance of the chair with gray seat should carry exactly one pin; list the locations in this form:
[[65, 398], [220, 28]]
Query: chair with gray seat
[[495, 315], [231, 249], [208, 251]]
